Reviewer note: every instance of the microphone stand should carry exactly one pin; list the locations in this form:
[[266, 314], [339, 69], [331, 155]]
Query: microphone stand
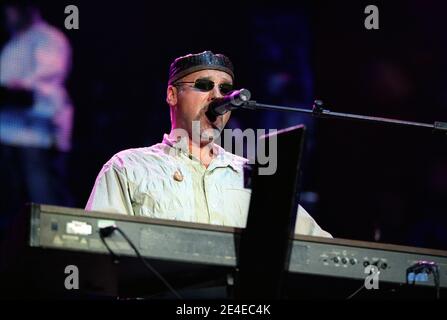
[[318, 110], [242, 290]]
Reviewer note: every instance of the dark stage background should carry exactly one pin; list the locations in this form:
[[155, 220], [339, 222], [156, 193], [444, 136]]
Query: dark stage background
[[361, 181]]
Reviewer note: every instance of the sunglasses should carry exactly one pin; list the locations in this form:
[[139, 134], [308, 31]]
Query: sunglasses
[[206, 85]]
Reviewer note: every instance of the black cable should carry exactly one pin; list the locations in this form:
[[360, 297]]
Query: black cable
[[115, 258], [426, 267], [437, 280], [108, 231]]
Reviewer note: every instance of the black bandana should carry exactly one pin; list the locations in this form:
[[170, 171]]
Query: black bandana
[[206, 60]]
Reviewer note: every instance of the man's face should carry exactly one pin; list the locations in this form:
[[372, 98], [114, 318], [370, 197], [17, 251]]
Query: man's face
[[190, 104]]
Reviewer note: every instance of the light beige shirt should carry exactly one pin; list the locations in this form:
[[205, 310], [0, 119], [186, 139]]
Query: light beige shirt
[[166, 182]]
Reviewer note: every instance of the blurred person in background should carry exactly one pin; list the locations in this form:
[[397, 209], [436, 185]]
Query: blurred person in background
[[34, 140]]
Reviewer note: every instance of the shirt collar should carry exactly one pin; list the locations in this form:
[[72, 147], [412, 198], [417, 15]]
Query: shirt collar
[[223, 158]]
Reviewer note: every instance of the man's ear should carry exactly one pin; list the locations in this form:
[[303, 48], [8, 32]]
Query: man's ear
[[171, 96]]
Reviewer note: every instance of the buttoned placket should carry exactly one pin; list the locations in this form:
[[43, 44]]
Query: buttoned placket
[[203, 173]]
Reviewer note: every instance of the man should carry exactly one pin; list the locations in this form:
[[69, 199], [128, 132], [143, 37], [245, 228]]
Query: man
[[34, 141], [191, 180]]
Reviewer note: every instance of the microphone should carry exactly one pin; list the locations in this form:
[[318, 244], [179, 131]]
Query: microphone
[[231, 101]]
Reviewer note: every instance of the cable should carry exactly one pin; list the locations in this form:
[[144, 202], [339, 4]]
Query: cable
[[363, 286], [108, 231], [437, 280], [115, 258], [357, 291], [425, 267]]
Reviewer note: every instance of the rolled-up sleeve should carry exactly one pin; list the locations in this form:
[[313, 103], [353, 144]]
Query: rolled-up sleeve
[[110, 192], [306, 225]]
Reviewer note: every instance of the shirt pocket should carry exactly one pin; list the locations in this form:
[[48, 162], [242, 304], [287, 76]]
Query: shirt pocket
[[236, 202], [163, 203]]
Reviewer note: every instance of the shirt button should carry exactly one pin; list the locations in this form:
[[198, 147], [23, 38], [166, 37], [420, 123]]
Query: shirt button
[[178, 176]]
